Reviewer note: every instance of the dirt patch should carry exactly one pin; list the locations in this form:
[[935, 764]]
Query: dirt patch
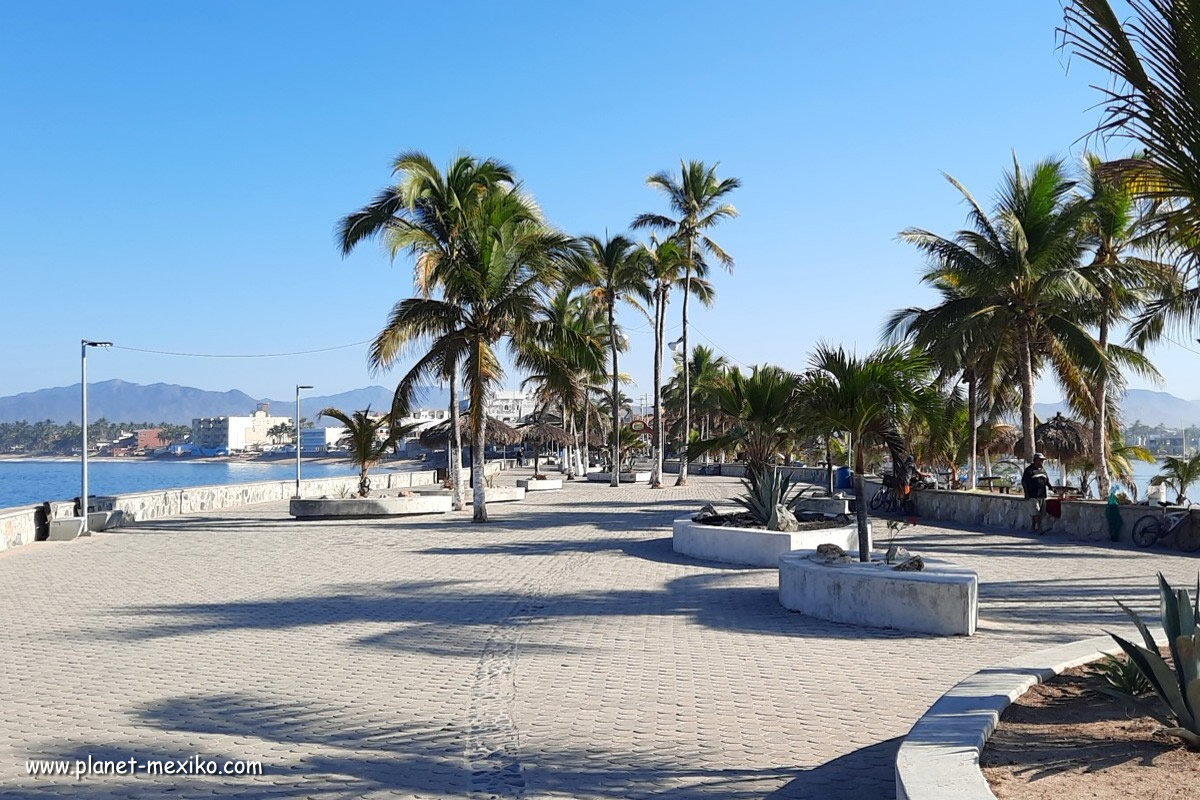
[[1065, 739]]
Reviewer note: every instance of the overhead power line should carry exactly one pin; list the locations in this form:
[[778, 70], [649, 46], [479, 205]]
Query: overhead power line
[[241, 355]]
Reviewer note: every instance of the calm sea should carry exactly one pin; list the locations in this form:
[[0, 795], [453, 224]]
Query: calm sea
[[31, 481]]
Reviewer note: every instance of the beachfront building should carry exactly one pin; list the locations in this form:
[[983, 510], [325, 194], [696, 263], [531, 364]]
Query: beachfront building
[[320, 440], [214, 435], [511, 406]]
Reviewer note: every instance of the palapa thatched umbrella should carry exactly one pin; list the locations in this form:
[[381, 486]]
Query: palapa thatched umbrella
[[539, 433], [1062, 439], [497, 432]]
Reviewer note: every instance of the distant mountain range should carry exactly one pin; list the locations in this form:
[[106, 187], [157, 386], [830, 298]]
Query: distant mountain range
[[1151, 408], [121, 401]]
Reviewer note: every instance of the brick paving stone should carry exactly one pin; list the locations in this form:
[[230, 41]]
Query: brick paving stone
[[561, 651]]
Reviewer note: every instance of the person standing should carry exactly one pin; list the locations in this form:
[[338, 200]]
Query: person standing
[[1036, 484]]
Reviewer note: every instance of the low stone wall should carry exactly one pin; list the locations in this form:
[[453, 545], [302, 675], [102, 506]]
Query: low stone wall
[[1084, 520], [168, 502], [802, 474], [25, 524]]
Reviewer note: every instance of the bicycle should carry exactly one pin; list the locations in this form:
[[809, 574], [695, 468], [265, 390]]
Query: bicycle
[[1152, 527], [884, 498]]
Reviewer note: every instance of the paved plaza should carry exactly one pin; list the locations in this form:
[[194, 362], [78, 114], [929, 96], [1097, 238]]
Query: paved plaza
[[561, 651]]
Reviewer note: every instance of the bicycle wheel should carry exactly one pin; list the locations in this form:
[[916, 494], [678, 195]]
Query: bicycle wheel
[[1147, 530], [1187, 537], [877, 500]]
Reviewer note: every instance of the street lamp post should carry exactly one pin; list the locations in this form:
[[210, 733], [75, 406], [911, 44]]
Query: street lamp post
[[298, 388], [83, 496]]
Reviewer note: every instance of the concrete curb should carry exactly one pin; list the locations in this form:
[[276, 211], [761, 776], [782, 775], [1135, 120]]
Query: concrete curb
[[940, 756]]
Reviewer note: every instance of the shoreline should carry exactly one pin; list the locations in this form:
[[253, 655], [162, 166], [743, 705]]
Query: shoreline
[[273, 459]]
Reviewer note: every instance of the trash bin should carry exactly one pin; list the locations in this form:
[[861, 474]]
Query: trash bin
[[843, 478]]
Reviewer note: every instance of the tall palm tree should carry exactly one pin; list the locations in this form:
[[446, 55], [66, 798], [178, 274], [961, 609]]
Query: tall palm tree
[[865, 398], [490, 293], [705, 371], [566, 346], [424, 213], [664, 265], [1016, 276], [614, 275], [697, 199], [367, 440]]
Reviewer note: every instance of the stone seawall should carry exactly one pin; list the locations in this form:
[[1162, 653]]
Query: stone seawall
[[26, 524]]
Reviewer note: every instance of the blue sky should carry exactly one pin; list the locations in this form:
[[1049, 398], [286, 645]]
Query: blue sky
[[172, 173]]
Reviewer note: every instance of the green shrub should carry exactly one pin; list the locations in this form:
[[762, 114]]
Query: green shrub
[[765, 489], [1122, 676]]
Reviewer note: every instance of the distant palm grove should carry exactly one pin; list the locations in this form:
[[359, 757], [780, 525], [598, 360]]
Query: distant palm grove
[[1069, 271]]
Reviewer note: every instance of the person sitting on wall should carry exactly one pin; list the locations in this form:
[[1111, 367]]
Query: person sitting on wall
[[1036, 484]]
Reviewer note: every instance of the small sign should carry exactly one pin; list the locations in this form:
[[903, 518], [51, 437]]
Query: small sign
[[638, 426]]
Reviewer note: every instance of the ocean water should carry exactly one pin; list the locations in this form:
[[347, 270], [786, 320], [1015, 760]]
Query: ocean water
[[27, 481]]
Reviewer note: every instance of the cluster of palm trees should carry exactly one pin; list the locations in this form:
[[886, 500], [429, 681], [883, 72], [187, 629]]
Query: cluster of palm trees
[[490, 272]]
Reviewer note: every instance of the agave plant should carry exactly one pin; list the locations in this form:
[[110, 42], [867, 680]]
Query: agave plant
[[1179, 688], [766, 490]]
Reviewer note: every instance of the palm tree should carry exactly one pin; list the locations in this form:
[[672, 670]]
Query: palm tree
[[614, 275], [565, 348], [696, 198], [865, 398], [490, 293], [1154, 59], [1013, 282], [367, 440], [425, 213], [763, 408], [705, 372], [1178, 474], [664, 265]]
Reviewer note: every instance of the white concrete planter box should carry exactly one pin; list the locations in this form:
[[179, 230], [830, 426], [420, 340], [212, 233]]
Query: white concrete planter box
[[64, 530], [530, 485], [369, 506], [837, 506], [502, 494], [754, 547], [623, 477], [943, 599]]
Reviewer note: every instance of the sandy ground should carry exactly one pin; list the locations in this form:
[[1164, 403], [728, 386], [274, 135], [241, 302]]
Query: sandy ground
[[1065, 739]]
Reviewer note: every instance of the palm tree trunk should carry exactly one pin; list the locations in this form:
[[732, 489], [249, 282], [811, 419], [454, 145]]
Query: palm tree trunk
[[828, 467], [1025, 359], [587, 447], [656, 480], [454, 467], [568, 466], [860, 507], [478, 436], [1100, 426], [577, 464], [616, 402], [973, 423], [687, 378]]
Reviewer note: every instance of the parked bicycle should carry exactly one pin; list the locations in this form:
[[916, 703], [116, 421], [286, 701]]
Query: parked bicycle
[[1152, 527], [885, 497]]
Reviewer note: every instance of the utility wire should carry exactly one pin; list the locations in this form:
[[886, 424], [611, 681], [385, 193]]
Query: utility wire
[[714, 344], [241, 355]]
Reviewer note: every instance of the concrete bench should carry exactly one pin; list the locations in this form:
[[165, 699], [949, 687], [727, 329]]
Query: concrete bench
[[64, 530]]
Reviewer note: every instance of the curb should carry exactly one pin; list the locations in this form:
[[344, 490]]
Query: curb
[[939, 758]]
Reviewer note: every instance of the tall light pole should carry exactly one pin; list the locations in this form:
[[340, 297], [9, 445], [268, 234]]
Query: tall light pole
[[298, 388], [84, 344]]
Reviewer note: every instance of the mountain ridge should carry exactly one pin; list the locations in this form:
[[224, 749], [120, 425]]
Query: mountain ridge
[[1141, 405], [123, 401]]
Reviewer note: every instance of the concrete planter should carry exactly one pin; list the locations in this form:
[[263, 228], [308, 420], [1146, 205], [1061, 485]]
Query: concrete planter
[[753, 547], [623, 477], [943, 599], [502, 494], [104, 520], [369, 506], [530, 485]]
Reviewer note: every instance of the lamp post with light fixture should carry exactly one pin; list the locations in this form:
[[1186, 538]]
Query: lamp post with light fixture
[[298, 388], [83, 461]]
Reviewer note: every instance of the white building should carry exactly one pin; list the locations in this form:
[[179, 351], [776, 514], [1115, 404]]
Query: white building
[[232, 434], [320, 440], [511, 406]]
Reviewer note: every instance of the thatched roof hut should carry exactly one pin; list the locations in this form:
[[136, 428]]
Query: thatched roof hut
[[543, 433], [497, 433]]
